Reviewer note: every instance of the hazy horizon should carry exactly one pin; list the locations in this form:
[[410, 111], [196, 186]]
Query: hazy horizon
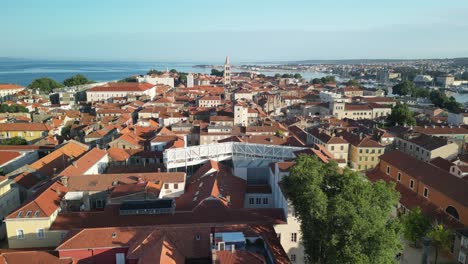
[[248, 31]]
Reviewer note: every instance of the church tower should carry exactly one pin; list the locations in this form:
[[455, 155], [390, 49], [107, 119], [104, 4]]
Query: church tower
[[227, 71]]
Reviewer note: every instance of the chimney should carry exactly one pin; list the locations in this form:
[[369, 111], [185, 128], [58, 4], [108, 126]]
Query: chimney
[[64, 181], [55, 171], [228, 198], [74, 164]]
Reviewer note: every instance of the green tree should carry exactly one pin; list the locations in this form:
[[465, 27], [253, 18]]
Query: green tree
[[45, 84], [128, 79], [297, 76], [14, 141], [353, 82], [277, 75], [452, 105], [464, 76], [344, 218], [182, 78], [415, 225], [65, 132], [403, 88], [173, 71], [217, 73], [401, 114], [328, 79], [420, 92], [316, 81], [287, 75], [76, 80], [441, 238], [154, 71]]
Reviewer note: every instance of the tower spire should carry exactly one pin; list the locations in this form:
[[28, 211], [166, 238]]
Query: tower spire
[[227, 71]]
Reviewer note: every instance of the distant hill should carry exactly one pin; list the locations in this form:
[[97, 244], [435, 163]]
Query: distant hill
[[461, 61]]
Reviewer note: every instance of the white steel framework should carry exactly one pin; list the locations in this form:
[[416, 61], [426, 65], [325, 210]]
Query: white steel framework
[[189, 156]]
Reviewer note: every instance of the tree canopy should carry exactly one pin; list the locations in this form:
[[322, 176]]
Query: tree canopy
[[403, 88], [352, 82], [4, 108], [415, 225], [344, 218], [324, 80], [154, 71], [217, 73], [45, 84], [14, 141], [173, 71], [439, 99], [76, 80], [128, 79], [441, 238], [401, 114]]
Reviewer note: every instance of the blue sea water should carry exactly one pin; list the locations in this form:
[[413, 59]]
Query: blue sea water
[[23, 72]]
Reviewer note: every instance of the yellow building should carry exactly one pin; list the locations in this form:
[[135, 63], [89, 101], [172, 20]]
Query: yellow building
[[9, 201], [364, 152], [28, 131], [28, 226]]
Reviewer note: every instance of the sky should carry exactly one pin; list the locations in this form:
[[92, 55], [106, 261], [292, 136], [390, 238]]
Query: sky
[[247, 30]]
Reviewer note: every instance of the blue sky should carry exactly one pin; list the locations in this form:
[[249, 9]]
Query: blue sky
[[247, 30]]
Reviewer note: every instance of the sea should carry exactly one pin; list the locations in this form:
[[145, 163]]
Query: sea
[[23, 72]]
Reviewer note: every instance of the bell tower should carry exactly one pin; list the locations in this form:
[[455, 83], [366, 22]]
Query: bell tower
[[227, 71]]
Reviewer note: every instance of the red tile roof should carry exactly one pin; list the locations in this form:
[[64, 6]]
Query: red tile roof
[[437, 178], [7, 156], [122, 87], [84, 163], [212, 181], [43, 203], [24, 127], [10, 86], [32, 257]]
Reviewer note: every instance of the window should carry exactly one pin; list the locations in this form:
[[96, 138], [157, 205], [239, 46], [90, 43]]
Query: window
[[166, 186], [388, 170], [399, 176], [342, 148], [464, 242], [411, 184], [28, 213], [251, 200], [258, 200], [19, 234], [461, 257], [367, 151], [197, 237], [426, 192], [40, 233], [265, 200], [360, 151], [176, 186], [293, 257], [332, 148], [293, 237], [99, 204]]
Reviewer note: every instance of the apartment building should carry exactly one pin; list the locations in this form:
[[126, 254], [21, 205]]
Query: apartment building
[[425, 147], [336, 145], [110, 90], [364, 152], [28, 131]]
